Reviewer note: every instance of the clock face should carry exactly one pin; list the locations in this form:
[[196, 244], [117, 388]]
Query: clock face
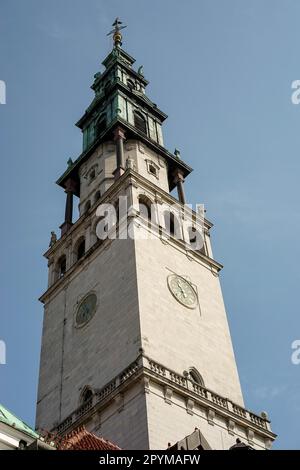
[[86, 310], [183, 291]]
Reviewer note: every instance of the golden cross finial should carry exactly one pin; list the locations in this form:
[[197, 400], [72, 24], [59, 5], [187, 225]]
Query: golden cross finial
[[117, 36]]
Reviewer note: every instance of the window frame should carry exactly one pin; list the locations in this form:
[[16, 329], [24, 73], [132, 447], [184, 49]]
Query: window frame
[[139, 115]]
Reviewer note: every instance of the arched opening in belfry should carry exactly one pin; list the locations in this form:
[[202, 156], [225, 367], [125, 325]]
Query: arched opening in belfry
[[172, 224], [61, 267], [145, 207], [196, 240], [140, 122], [101, 124], [79, 251]]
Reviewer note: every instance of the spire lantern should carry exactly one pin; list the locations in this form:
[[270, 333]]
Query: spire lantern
[[116, 32]]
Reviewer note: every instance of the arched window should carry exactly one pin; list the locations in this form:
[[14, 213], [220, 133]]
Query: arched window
[[117, 209], [145, 207], [97, 196], [140, 122], [80, 251], [101, 124], [87, 206], [196, 377], [196, 240], [107, 87], [130, 84], [94, 236], [172, 224], [61, 266], [86, 395]]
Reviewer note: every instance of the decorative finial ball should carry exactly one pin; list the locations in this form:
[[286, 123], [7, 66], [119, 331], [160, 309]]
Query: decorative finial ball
[[117, 38]]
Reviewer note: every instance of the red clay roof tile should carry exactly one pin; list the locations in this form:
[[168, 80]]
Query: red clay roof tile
[[81, 439]]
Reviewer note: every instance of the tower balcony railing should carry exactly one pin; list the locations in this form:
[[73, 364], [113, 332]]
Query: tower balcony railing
[[208, 395], [145, 366]]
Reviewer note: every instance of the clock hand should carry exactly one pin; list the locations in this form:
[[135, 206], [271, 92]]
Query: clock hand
[[181, 288], [85, 311]]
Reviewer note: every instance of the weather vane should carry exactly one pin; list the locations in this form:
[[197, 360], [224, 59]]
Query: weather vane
[[117, 36]]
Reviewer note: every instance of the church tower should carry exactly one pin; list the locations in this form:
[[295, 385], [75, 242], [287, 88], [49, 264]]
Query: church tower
[[136, 344]]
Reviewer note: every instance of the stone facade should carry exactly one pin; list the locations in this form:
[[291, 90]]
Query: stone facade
[[136, 312], [71, 357], [96, 175]]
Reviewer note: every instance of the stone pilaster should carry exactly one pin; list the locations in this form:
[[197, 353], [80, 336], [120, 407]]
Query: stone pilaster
[[70, 188], [179, 180], [119, 137]]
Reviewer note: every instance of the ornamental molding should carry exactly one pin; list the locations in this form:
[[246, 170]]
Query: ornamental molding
[[145, 372]]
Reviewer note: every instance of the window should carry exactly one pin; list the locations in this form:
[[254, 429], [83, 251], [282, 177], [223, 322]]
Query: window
[[152, 170], [88, 135], [97, 196], [107, 87], [196, 377], [172, 225], [196, 240], [117, 210], [61, 266], [119, 217], [94, 237], [92, 174], [145, 207], [81, 249], [100, 124], [86, 395], [87, 206], [140, 122], [130, 85]]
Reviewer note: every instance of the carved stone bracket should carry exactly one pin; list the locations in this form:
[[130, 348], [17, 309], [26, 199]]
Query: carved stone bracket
[[210, 416], [189, 406], [119, 400], [231, 427], [250, 435], [146, 384], [168, 395]]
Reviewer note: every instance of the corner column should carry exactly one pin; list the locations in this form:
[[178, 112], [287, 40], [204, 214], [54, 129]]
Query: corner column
[[119, 137], [70, 189], [50, 272], [179, 180]]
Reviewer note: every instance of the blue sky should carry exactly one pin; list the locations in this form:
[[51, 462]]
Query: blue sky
[[222, 71]]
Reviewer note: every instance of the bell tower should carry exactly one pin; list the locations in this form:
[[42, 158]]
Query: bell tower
[[135, 343]]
